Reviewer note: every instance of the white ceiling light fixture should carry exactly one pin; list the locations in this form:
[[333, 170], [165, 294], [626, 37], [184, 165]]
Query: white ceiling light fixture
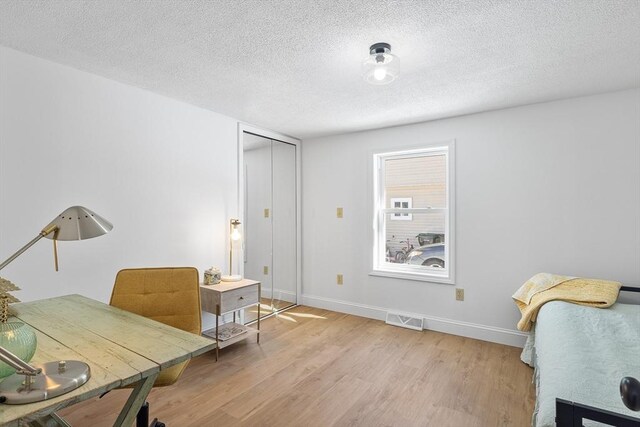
[[381, 67]]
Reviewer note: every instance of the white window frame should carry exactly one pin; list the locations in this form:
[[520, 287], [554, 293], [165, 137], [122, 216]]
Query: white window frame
[[405, 271], [401, 216]]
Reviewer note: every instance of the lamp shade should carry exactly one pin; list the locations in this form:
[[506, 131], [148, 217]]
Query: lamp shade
[[78, 223], [235, 235]]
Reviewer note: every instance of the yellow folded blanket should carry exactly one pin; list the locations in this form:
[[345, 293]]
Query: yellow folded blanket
[[545, 287]]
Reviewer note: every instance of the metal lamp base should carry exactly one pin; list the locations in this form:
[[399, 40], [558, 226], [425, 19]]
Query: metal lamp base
[[55, 379]]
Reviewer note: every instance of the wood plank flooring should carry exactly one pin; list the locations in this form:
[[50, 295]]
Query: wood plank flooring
[[321, 368], [267, 306]]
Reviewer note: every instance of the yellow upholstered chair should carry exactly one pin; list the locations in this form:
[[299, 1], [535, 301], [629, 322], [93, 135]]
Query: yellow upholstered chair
[[167, 295]]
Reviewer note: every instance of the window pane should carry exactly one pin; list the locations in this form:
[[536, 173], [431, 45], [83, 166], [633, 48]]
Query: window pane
[[424, 236], [420, 179]]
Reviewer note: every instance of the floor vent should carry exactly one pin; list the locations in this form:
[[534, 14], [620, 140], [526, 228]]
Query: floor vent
[[404, 321]]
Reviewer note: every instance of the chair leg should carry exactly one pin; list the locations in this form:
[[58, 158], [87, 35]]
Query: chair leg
[[142, 419]]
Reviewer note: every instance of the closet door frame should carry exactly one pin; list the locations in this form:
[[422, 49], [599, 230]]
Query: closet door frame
[[265, 133]]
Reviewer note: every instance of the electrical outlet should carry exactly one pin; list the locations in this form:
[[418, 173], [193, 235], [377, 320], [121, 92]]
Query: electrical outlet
[[339, 279], [459, 294], [339, 213], [265, 270]]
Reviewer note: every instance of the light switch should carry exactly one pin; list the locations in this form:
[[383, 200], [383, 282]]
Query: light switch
[[266, 212], [339, 279], [339, 213], [265, 270]]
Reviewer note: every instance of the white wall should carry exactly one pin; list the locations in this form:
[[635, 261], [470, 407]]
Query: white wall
[[552, 187], [162, 171]]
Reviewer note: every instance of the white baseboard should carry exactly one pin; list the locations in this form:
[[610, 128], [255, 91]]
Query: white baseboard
[[449, 326], [289, 296]]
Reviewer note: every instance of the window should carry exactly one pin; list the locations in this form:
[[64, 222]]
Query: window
[[401, 203], [413, 213]]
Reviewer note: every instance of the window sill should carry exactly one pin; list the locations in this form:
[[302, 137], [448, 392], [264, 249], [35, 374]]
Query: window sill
[[406, 275]]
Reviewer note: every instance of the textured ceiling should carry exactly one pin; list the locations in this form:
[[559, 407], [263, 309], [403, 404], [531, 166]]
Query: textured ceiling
[[294, 66]]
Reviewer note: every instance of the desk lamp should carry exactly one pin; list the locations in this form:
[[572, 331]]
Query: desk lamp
[[235, 236], [35, 383]]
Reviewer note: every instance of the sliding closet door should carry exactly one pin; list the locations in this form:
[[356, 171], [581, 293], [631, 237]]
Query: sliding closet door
[[284, 224], [258, 230], [270, 221]]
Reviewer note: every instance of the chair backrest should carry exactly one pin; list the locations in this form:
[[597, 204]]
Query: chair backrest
[[167, 295]]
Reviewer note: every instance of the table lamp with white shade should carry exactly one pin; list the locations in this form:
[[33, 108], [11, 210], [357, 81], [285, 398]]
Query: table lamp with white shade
[[235, 236]]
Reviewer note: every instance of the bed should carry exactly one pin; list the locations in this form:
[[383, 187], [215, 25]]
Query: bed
[[580, 354]]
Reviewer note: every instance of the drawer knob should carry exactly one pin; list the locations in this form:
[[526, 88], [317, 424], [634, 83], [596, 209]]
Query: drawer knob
[[241, 298]]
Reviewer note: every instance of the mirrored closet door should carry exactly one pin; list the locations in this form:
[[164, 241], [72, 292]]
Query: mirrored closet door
[[270, 228]]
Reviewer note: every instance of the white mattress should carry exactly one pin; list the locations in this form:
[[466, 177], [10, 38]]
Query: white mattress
[[580, 354]]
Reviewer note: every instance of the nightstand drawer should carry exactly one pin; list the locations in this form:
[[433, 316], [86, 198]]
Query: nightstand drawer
[[238, 298]]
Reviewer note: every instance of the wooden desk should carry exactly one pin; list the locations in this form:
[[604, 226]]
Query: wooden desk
[[120, 347], [230, 297]]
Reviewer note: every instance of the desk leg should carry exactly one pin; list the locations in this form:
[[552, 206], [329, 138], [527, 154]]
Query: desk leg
[[259, 304], [135, 401]]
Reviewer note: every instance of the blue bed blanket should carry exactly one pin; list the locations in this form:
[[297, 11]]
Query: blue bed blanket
[[580, 354]]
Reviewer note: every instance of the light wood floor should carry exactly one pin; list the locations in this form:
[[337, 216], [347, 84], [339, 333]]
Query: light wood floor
[[267, 306], [321, 368]]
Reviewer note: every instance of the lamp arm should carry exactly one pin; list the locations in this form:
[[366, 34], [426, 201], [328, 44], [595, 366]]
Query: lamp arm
[[18, 364], [44, 232]]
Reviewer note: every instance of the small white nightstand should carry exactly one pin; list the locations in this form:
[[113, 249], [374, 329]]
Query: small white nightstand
[[227, 297]]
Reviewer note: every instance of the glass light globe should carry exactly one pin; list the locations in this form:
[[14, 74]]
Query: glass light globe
[[381, 67], [20, 340], [379, 73]]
